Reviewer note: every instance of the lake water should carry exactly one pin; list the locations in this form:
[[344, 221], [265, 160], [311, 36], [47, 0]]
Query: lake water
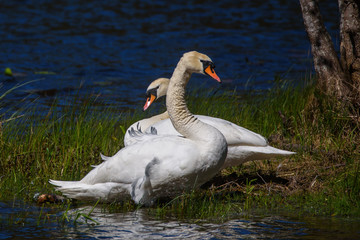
[[115, 49], [141, 225]]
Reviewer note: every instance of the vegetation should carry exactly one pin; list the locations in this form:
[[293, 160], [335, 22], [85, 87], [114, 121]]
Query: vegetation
[[321, 179], [3, 94]]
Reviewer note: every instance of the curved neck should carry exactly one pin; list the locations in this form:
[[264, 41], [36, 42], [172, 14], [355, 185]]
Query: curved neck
[[182, 119], [147, 122]]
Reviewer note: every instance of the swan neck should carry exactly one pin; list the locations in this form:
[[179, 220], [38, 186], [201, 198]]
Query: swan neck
[[180, 115]]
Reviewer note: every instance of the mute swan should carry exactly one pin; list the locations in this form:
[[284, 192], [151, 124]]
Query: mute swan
[[159, 88], [163, 165], [243, 144]]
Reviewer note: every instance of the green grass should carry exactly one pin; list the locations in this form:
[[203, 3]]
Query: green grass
[[323, 178], [61, 145]]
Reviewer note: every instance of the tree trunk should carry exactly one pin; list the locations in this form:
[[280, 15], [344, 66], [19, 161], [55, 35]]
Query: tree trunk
[[350, 43], [326, 63]]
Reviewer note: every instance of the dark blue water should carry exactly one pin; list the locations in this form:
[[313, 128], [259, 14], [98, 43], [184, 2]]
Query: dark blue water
[[116, 48]]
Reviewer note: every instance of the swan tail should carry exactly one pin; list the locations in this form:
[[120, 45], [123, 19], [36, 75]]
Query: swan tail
[[241, 154], [104, 192], [277, 152]]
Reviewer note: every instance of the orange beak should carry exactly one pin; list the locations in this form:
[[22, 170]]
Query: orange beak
[[210, 71], [149, 101]]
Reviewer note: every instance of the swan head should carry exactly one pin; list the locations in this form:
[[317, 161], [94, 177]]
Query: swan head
[[155, 90], [196, 62]]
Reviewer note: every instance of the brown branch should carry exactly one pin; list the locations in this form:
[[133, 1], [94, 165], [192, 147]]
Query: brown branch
[[326, 63]]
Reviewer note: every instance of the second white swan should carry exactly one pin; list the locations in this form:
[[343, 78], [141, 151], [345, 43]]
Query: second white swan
[[243, 144]]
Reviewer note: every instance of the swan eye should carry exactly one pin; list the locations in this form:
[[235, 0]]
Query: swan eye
[[208, 68], [152, 91], [207, 64]]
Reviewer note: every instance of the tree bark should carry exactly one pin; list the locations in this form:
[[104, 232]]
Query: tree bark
[[326, 63], [350, 43]]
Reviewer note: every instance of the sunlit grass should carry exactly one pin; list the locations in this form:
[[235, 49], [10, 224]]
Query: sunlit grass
[[64, 142], [61, 145]]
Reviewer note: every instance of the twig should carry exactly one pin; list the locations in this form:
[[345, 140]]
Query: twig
[[268, 188], [313, 182], [337, 165]]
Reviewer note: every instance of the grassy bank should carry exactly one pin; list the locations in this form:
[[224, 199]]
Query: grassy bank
[[322, 178]]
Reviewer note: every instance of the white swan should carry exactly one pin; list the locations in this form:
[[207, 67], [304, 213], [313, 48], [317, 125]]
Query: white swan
[[159, 88], [243, 144], [164, 165]]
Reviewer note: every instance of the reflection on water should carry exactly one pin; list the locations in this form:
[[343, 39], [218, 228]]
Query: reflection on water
[[140, 225]]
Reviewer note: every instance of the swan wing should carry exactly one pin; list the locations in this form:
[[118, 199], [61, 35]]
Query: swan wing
[[132, 132], [136, 135], [164, 127], [240, 154], [129, 163], [234, 134], [140, 126], [108, 191], [177, 158]]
